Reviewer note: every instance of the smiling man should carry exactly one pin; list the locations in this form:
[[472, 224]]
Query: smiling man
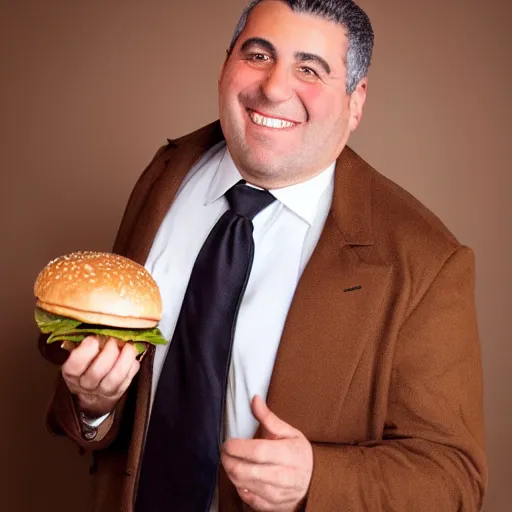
[[286, 108], [324, 353]]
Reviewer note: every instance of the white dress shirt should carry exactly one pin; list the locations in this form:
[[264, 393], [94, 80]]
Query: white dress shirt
[[285, 235]]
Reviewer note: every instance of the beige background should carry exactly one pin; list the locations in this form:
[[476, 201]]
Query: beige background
[[88, 92]]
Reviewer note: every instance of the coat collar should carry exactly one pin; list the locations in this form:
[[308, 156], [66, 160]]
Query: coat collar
[[351, 207]]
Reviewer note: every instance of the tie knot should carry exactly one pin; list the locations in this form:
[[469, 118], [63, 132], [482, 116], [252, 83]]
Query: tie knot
[[248, 201]]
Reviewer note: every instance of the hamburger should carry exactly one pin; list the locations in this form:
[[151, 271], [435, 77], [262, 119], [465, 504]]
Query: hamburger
[[101, 294]]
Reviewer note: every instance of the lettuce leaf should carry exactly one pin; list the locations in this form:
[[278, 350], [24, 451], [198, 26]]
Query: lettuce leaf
[[49, 323], [66, 329]]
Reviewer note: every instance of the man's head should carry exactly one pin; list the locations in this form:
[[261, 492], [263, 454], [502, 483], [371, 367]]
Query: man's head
[[293, 87]]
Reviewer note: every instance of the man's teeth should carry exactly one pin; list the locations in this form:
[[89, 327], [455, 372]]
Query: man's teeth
[[269, 122]]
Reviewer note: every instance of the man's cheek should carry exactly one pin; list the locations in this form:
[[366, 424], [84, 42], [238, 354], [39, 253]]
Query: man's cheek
[[241, 78], [312, 96], [320, 105]]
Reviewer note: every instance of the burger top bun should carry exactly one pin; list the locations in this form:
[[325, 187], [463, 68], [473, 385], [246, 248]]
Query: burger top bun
[[99, 288]]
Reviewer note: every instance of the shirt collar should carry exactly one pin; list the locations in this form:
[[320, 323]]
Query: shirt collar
[[226, 175], [301, 198]]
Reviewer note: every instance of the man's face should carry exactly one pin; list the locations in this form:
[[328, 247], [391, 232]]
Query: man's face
[[282, 96]]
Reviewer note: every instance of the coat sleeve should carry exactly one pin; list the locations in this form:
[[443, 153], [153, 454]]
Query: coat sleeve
[[62, 416], [431, 455]]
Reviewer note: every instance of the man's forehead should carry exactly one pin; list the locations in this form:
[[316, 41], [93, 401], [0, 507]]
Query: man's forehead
[[276, 21]]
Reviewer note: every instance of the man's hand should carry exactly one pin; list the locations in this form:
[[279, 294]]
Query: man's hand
[[273, 473], [100, 376]]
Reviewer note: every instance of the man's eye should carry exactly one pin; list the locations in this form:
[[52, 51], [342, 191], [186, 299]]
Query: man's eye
[[308, 71], [258, 57]]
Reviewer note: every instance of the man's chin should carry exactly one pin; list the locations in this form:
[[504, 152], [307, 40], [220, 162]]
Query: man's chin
[[263, 170]]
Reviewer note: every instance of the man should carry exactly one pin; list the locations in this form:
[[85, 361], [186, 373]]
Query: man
[[354, 379]]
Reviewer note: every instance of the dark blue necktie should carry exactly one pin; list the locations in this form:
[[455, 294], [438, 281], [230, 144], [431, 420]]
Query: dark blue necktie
[[181, 454]]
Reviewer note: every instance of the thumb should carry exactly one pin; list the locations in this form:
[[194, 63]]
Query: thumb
[[271, 426]]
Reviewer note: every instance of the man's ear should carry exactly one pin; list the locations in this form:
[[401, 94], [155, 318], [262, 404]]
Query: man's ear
[[357, 101]]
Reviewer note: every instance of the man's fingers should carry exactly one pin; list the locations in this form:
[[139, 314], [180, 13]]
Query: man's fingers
[[277, 472], [100, 367], [99, 376], [123, 370], [263, 487], [272, 426], [257, 502], [257, 451], [134, 368], [258, 476], [80, 358], [261, 503]]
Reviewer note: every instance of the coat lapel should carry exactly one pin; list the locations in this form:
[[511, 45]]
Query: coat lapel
[[335, 312], [177, 160]]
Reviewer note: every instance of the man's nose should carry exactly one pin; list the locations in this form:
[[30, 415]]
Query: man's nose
[[277, 85]]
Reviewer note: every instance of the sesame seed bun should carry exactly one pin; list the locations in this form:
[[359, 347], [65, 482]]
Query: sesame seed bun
[[99, 288]]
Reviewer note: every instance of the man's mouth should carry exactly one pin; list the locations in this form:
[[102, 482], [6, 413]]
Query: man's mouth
[[270, 122]]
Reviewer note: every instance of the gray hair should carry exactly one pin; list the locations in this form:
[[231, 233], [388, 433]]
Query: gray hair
[[343, 12]]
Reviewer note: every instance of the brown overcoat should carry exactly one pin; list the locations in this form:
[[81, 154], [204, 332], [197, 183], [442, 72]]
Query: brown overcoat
[[379, 363]]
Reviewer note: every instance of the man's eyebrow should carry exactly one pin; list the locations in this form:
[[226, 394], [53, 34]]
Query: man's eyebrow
[[311, 57], [270, 48], [262, 43]]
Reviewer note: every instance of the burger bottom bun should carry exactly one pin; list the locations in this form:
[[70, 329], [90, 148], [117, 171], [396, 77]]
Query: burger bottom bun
[[91, 317]]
